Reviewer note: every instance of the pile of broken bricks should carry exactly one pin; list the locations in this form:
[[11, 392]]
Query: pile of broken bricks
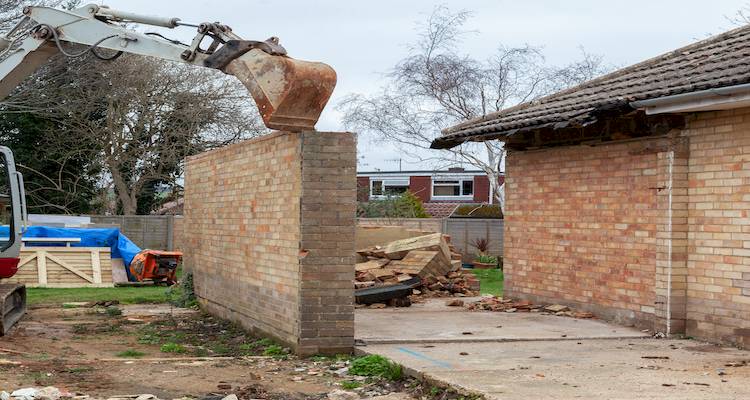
[[491, 303], [404, 270]]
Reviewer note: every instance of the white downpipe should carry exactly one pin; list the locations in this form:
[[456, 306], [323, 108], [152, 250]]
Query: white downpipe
[[669, 243]]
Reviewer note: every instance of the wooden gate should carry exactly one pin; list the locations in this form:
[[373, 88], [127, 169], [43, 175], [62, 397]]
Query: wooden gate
[[64, 267]]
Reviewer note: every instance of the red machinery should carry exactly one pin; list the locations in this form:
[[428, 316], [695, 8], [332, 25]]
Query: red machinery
[[156, 265]]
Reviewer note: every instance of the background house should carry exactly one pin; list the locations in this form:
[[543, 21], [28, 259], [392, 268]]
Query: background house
[[440, 191], [629, 195]]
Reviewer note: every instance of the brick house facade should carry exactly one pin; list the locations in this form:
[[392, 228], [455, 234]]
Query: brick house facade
[[434, 188], [629, 196]]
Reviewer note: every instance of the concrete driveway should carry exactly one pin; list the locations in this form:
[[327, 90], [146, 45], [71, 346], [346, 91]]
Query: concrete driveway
[[532, 356]]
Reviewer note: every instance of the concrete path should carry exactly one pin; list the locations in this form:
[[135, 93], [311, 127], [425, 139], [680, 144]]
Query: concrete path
[[529, 359]]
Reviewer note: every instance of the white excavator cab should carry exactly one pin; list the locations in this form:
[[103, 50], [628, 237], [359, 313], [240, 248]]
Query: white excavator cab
[[12, 224]]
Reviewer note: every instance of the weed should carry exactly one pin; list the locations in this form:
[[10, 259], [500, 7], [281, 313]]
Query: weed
[[148, 338], [247, 349], [274, 350], [349, 385], [265, 342], [376, 366], [79, 370], [183, 295], [200, 352], [337, 357], [172, 348], [80, 329], [130, 353], [39, 377], [113, 311], [220, 348]]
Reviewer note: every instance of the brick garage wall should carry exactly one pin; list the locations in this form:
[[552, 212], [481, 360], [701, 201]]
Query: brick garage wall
[[269, 233], [581, 227], [718, 292]]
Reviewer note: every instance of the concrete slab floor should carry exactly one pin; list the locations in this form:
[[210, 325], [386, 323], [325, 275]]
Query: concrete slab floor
[[541, 366], [435, 322]]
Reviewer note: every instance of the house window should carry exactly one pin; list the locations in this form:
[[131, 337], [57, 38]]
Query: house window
[[453, 188], [388, 187]]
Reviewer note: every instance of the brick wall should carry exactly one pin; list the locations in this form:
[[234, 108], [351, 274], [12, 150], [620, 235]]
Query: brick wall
[[481, 189], [269, 233], [581, 227], [718, 290], [363, 188], [421, 186]]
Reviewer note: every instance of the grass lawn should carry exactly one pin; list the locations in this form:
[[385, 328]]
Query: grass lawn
[[125, 295], [490, 280]]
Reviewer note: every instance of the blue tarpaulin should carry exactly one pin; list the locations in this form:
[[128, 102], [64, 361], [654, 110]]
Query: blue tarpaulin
[[121, 246]]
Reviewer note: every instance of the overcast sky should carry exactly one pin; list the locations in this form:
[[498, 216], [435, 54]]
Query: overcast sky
[[364, 39]]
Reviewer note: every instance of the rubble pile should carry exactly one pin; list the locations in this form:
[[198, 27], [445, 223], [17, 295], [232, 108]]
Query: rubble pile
[[405, 270], [492, 303]]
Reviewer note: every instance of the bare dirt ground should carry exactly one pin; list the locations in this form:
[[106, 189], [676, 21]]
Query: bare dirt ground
[[100, 354]]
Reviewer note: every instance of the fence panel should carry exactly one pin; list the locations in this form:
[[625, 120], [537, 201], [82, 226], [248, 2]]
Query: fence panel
[[462, 231], [422, 224], [147, 231], [465, 231]]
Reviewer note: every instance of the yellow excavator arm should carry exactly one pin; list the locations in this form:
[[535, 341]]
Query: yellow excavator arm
[[290, 94]]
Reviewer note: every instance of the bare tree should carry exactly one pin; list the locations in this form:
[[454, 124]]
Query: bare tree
[[438, 85], [137, 118], [11, 11], [741, 17]]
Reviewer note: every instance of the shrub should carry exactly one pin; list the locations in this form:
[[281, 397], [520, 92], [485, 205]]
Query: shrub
[[376, 366], [406, 205], [478, 211]]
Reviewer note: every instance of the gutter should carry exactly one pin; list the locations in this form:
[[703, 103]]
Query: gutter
[[704, 100]]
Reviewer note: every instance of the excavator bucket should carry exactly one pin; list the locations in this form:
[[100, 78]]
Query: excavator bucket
[[290, 94], [12, 305]]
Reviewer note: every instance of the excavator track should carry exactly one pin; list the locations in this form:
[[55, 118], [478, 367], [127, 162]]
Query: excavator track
[[12, 305]]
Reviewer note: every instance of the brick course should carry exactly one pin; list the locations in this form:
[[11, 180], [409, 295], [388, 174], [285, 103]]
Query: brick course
[[269, 233]]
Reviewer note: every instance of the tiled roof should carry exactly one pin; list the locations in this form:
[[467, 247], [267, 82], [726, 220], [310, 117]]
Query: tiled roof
[[719, 61], [440, 210]]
